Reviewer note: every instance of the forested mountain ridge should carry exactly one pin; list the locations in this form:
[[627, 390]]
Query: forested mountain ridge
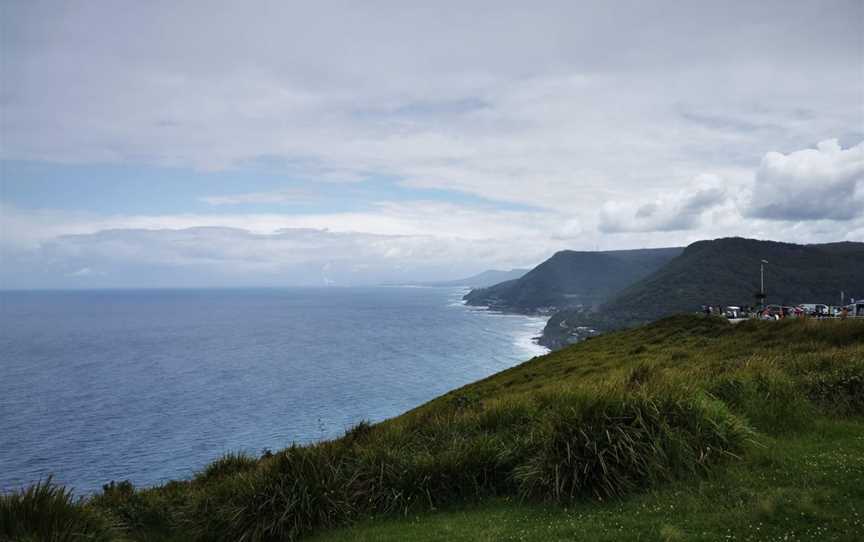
[[572, 278], [724, 272]]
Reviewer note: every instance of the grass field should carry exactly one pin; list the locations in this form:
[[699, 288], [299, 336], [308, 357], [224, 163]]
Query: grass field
[[686, 429], [802, 487]]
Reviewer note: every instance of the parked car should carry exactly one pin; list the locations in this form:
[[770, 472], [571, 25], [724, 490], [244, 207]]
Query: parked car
[[771, 312], [733, 312], [776, 312], [855, 309], [815, 309]]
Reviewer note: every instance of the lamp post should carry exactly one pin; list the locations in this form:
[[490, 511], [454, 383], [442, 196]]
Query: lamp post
[[762, 281]]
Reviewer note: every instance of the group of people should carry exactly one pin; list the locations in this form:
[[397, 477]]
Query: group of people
[[778, 313], [728, 311], [770, 312]]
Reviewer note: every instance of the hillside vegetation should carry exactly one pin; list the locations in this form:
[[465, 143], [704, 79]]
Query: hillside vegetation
[[624, 418], [571, 278], [724, 272], [805, 486]]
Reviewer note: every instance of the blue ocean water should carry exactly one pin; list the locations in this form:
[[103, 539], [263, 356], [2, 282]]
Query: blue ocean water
[[150, 385]]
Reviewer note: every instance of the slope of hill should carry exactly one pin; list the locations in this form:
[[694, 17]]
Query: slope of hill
[[570, 278], [635, 419], [724, 272]]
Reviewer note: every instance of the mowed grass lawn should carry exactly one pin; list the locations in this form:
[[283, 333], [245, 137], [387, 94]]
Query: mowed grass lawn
[[802, 487]]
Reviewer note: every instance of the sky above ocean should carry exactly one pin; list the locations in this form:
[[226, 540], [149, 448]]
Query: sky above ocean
[[271, 143]]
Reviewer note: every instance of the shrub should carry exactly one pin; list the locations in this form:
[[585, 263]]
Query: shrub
[[46, 512], [767, 397], [641, 375], [228, 464], [462, 469], [505, 415], [155, 511], [296, 490], [679, 355], [608, 445], [544, 446], [840, 391], [640, 349], [359, 433]]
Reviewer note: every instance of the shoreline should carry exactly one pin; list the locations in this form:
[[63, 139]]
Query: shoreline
[[535, 339]]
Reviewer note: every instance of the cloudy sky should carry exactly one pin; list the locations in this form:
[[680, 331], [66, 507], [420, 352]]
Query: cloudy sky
[[277, 143]]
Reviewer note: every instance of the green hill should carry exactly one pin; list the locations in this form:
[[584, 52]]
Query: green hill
[[571, 278], [724, 272], [688, 428]]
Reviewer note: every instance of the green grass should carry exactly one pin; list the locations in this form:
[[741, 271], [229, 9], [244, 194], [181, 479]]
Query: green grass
[[45, 512], [803, 487], [685, 428]]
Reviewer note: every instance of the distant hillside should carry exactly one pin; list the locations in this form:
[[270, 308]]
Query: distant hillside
[[481, 280], [571, 278], [725, 272]]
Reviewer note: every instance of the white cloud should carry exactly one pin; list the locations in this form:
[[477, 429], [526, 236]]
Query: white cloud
[[85, 272], [409, 218], [630, 119], [229, 256], [682, 210], [562, 106], [398, 241], [395, 241], [278, 197], [822, 183]]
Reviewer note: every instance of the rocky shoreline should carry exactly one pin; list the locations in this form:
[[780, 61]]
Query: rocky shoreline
[[557, 333]]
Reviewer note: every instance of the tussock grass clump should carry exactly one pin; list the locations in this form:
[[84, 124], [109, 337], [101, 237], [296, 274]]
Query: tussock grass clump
[[558, 446], [230, 463], [46, 512], [767, 397], [156, 511], [613, 444], [840, 390], [286, 496], [642, 375]]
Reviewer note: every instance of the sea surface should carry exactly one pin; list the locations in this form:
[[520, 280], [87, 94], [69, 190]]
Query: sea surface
[[151, 385]]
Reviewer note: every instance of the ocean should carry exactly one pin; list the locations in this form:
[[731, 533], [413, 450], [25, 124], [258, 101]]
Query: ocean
[[151, 385]]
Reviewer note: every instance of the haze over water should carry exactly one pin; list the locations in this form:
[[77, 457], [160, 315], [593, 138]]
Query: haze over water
[[150, 385]]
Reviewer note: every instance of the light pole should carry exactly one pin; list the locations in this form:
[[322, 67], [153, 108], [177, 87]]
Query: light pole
[[762, 280]]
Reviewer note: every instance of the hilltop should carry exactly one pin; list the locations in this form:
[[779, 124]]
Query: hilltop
[[739, 427], [723, 272], [572, 278]]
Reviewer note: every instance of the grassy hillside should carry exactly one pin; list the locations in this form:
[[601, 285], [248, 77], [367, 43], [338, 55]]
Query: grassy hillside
[[679, 413], [726, 272], [802, 486], [571, 278]]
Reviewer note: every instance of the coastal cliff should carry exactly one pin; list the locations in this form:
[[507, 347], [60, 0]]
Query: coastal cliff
[[720, 272], [572, 279]]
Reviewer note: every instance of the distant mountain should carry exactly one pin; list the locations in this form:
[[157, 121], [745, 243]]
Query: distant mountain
[[570, 278], [724, 272], [480, 280]]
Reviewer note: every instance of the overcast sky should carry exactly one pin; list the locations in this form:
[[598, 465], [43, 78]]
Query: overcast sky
[[277, 143]]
